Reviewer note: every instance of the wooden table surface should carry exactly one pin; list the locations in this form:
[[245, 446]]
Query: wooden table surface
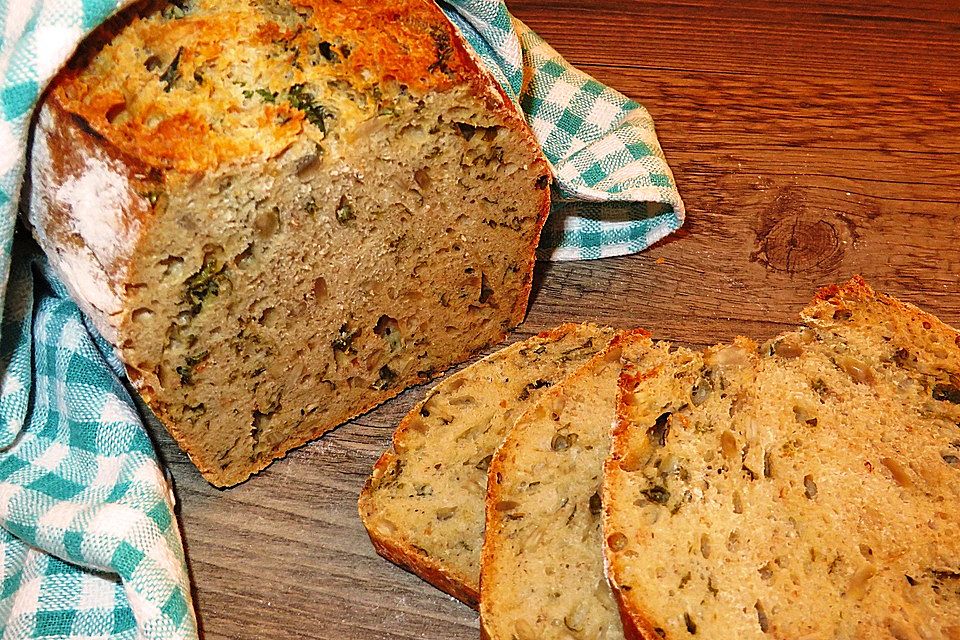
[[811, 140]]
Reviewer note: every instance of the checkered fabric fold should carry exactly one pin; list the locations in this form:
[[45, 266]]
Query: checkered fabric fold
[[602, 146], [89, 543]]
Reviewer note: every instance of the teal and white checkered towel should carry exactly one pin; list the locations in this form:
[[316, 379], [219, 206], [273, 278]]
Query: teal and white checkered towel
[[614, 194], [89, 544]]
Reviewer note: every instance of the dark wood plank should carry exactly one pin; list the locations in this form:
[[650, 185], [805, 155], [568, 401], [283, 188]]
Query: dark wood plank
[[811, 141], [847, 39]]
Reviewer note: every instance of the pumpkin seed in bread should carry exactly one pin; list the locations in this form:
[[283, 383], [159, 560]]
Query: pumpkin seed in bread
[[423, 506], [807, 490], [284, 212]]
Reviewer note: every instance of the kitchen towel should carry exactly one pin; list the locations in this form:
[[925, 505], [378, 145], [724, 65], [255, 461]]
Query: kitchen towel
[[614, 192], [88, 537]]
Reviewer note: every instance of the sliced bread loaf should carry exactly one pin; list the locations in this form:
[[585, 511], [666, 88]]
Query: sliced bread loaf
[[284, 212], [423, 505], [805, 490], [542, 570]]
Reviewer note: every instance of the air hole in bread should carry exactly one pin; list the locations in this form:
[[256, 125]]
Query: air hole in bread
[[113, 113], [142, 314], [486, 291], [268, 316], [245, 258], [172, 266]]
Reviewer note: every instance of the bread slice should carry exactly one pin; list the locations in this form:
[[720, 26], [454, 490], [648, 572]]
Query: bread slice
[[806, 491], [423, 505], [542, 570], [284, 212]]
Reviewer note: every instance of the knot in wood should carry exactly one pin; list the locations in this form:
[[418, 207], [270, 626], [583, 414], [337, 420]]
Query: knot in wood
[[795, 244]]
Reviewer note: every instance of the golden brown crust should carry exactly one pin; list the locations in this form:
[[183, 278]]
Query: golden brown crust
[[406, 42], [857, 290], [401, 551], [630, 378], [635, 626], [627, 337], [410, 40], [167, 136]]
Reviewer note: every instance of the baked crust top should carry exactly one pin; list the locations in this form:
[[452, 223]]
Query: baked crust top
[[192, 84]]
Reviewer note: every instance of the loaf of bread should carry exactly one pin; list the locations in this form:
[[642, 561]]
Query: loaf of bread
[[542, 570], [808, 489], [284, 212], [423, 506]]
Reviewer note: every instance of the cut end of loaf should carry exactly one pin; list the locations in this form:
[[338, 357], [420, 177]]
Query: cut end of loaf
[[372, 225], [329, 291]]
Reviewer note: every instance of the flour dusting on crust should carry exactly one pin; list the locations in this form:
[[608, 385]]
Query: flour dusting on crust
[[81, 222], [98, 198]]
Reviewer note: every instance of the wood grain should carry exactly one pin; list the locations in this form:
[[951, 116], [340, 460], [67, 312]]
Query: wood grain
[[810, 140]]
